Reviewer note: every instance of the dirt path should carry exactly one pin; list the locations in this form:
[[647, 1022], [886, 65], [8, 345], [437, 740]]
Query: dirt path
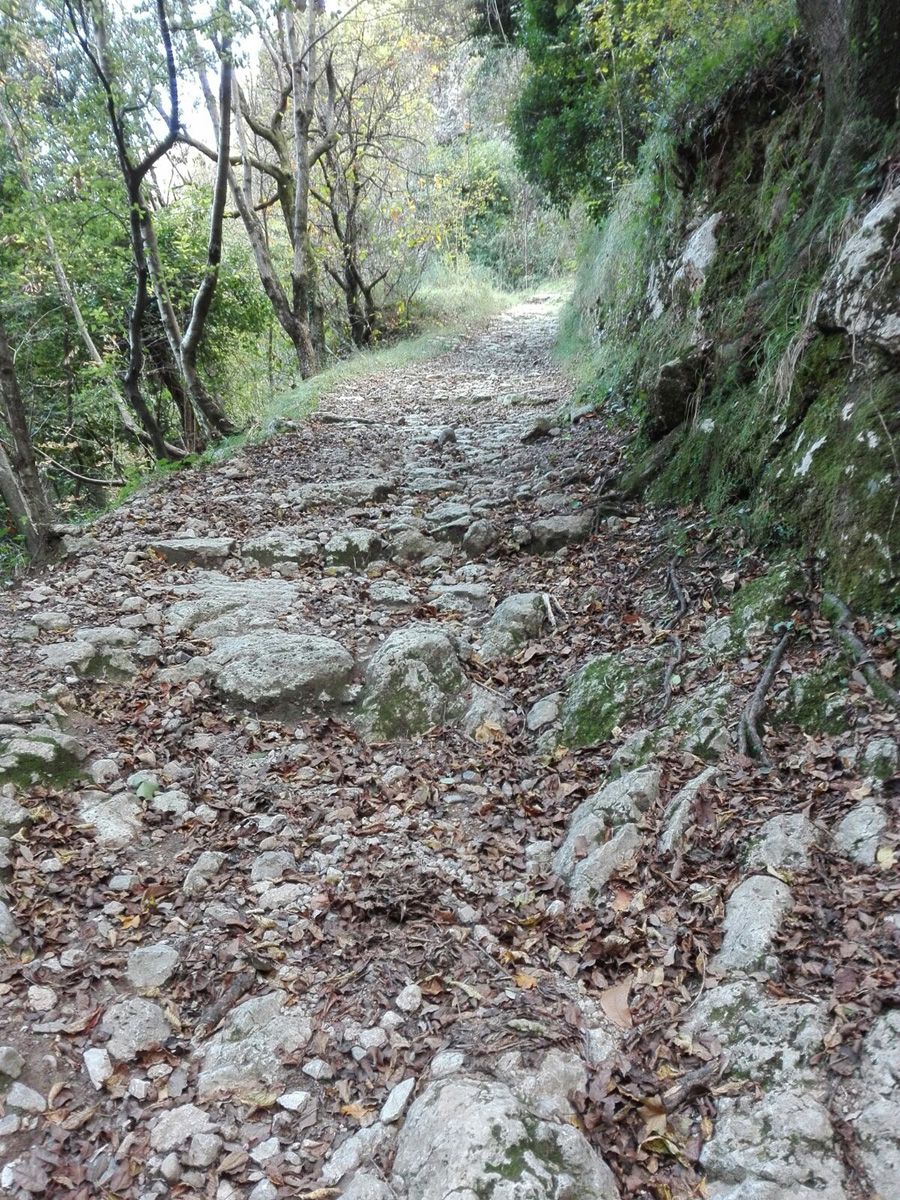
[[375, 828]]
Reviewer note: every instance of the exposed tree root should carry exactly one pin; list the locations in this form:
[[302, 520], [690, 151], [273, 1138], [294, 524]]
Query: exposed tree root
[[839, 614], [674, 661], [749, 737], [678, 592], [213, 1016]]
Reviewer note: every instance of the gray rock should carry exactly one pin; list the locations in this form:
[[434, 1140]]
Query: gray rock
[[543, 712], [173, 803], [25, 1099], [11, 1062], [268, 668], [359, 1148], [272, 865], [115, 820], [203, 1150], [881, 758], [565, 529], [858, 296], [515, 621], [173, 1128], [134, 1025], [342, 491], [762, 1039], [753, 916], [679, 810], [859, 832], [783, 843], [354, 548], [198, 878], [152, 966], [412, 545], [390, 595], [365, 1186], [281, 545], [397, 1100], [460, 597], [544, 1090], [245, 1053], [877, 1095], [479, 538], [204, 552], [602, 835], [463, 1136], [778, 1145], [9, 930], [413, 682]]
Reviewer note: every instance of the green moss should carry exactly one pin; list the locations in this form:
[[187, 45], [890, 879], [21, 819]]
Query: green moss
[[818, 701], [29, 769], [607, 692]]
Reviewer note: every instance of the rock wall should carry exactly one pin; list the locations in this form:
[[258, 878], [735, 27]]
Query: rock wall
[[742, 304]]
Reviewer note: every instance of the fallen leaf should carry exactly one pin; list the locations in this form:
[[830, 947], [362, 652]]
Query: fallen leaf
[[614, 1002]]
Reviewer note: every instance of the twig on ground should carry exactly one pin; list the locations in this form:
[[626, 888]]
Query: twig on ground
[[839, 614], [212, 1016], [749, 737]]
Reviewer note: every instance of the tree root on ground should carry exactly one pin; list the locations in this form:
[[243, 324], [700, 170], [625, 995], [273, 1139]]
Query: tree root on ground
[[749, 737], [839, 614], [674, 661], [678, 592]]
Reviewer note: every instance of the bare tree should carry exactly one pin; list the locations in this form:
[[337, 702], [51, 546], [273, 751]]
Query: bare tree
[[89, 26]]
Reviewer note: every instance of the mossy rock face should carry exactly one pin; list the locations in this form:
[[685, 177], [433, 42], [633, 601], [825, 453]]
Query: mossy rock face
[[39, 756], [607, 692], [756, 609], [699, 723], [818, 702]]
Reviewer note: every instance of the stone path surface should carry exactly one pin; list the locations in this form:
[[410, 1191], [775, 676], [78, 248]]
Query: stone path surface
[[372, 825]]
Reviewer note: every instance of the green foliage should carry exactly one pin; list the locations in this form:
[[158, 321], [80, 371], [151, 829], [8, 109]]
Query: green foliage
[[604, 73]]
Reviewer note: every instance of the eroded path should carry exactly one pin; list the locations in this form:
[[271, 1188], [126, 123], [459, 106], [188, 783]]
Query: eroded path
[[374, 827]]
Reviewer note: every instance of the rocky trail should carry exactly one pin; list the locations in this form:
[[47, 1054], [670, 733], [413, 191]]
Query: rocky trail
[[375, 824]]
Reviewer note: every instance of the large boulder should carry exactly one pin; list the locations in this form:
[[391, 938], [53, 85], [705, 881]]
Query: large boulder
[[878, 1100], [471, 1138], [669, 397], [564, 529], [267, 668], [281, 545], [353, 548], [413, 682], [607, 692]]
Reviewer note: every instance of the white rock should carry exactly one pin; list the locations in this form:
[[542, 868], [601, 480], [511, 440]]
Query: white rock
[[9, 930], [514, 622], [98, 1065], [296, 1101], [396, 1102], [359, 1148], [116, 820], [544, 712], [264, 1190], [318, 1069], [25, 1098], [753, 916], [266, 1150], [448, 1062], [152, 966], [877, 1094], [267, 667], [41, 999], [244, 1053], [365, 1186], [170, 1168], [272, 865], [134, 1025], [173, 1128], [858, 833], [459, 1130], [197, 880], [410, 999], [545, 1090], [680, 808], [784, 843]]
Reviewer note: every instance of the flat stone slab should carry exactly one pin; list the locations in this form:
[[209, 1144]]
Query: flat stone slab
[[281, 545], [215, 606], [202, 551], [267, 668]]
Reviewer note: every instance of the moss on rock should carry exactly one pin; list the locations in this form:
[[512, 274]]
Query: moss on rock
[[607, 692]]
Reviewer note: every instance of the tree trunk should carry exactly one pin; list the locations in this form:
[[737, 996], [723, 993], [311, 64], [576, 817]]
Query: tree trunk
[[20, 480]]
